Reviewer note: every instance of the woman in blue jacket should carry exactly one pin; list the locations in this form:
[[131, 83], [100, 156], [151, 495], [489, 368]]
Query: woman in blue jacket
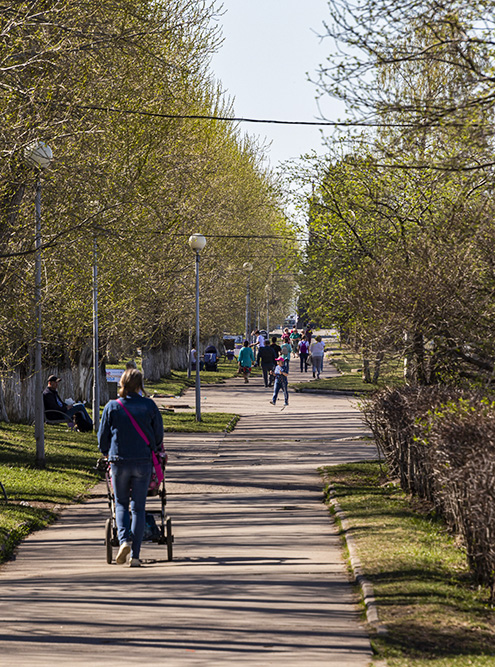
[[131, 427]]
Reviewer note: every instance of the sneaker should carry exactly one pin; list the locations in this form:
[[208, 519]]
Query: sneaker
[[134, 562], [272, 403], [124, 551]]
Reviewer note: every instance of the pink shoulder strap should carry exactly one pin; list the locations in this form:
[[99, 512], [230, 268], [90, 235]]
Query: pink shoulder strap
[[156, 464], [134, 423]]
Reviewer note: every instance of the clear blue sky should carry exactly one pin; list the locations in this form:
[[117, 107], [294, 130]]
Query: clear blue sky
[[269, 48]]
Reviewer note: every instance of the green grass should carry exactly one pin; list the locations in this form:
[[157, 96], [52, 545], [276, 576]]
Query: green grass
[[211, 422], [178, 382], [349, 363], [33, 493], [436, 616]]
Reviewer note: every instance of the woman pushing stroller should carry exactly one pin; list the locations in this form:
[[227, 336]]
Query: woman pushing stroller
[[131, 429]]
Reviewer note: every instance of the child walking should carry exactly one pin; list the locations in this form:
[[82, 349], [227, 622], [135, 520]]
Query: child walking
[[281, 374]]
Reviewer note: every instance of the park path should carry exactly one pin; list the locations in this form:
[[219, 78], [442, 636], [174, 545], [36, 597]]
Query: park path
[[257, 577]]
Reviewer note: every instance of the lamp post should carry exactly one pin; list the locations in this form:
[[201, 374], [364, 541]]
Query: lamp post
[[197, 242], [267, 293], [248, 267], [38, 155], [96, 353]]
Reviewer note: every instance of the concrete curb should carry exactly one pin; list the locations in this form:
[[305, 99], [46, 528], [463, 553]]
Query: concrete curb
[[357, 569]]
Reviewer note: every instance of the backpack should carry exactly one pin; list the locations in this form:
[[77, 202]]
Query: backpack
[[303, 346]]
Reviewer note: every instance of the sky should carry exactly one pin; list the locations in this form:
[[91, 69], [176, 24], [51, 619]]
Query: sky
[[269, 48]]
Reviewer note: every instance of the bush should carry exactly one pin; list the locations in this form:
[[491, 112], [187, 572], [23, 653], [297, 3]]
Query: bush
[[440, 443]]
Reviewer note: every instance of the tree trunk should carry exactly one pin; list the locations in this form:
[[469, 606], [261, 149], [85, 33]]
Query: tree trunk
[[366, 367], [378, 365]]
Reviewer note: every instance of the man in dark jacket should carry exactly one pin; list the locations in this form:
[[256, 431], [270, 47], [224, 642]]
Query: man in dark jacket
[[54, 405], [267, 357]]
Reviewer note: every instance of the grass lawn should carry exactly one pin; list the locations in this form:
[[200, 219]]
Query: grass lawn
[[211, 422], [435, 614], [69, 473], [349, 363], [177, 382]]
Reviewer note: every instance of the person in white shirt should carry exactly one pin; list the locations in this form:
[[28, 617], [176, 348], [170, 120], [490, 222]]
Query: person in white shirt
[[260, 339], [317, 349]]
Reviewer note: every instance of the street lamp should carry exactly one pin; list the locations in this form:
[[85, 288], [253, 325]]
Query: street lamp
[[96, 352], [39, 155], [197, 242], [248, 267], [267, 294]]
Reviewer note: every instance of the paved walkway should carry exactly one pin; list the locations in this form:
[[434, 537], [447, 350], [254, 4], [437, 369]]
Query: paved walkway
[[257, 577]]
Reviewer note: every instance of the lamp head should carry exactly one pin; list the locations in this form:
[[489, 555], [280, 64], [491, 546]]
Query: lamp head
[[197, 242], [38, 154]]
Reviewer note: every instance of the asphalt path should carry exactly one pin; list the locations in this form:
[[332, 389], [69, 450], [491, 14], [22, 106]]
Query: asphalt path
[[257, 576]]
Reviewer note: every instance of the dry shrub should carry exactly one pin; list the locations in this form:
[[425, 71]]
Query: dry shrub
[[440, 443]]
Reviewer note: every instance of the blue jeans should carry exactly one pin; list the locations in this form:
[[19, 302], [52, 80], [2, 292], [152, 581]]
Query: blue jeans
[[280, 384], [317, 365], [79, 407], [131, 480]]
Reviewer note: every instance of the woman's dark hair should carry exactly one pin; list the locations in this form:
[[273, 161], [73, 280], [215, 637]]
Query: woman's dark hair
[[246, 343], [131, 382]]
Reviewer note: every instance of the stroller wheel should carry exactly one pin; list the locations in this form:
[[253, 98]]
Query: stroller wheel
[[170, 539], [108, 540]]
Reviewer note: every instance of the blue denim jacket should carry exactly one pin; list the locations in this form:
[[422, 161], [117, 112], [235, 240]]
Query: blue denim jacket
[[117, 437]]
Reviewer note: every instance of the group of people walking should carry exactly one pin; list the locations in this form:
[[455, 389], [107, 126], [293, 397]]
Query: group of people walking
[[274, 359]]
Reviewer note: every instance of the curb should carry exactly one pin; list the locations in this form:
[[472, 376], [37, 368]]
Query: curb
[[366, 587], [232, 424]]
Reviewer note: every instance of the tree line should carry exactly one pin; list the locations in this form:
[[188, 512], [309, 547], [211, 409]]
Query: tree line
[[400, 221], [82, 77]]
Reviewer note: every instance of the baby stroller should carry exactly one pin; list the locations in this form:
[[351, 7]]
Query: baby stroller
[[211, 358], [158, 532]]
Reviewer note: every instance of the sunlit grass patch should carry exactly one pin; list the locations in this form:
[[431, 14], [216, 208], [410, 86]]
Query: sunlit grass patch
[[435, 614]]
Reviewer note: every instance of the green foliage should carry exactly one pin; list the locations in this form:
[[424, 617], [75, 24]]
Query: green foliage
[[141, 184], [399, 223]]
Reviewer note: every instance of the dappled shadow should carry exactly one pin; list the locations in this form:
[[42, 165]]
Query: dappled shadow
[[423, 641]]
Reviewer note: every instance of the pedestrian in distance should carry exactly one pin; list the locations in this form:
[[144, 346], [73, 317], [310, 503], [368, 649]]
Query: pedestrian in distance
[[303, 349], [246, 360], [266, 356], [260, 339], [295, 337], [131, 428], [317, 350], [276, 346], [285, 353], [281, 374], [278, 352]]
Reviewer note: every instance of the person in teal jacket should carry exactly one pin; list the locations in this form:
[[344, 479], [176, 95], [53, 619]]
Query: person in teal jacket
[[246, 360]]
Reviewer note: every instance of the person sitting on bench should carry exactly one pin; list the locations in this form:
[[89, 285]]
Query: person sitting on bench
[[54, 405]]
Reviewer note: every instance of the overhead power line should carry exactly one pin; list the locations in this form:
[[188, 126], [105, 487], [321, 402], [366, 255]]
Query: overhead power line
[[272, 121]]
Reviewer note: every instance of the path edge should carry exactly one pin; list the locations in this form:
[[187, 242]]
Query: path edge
[[365, 586]]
